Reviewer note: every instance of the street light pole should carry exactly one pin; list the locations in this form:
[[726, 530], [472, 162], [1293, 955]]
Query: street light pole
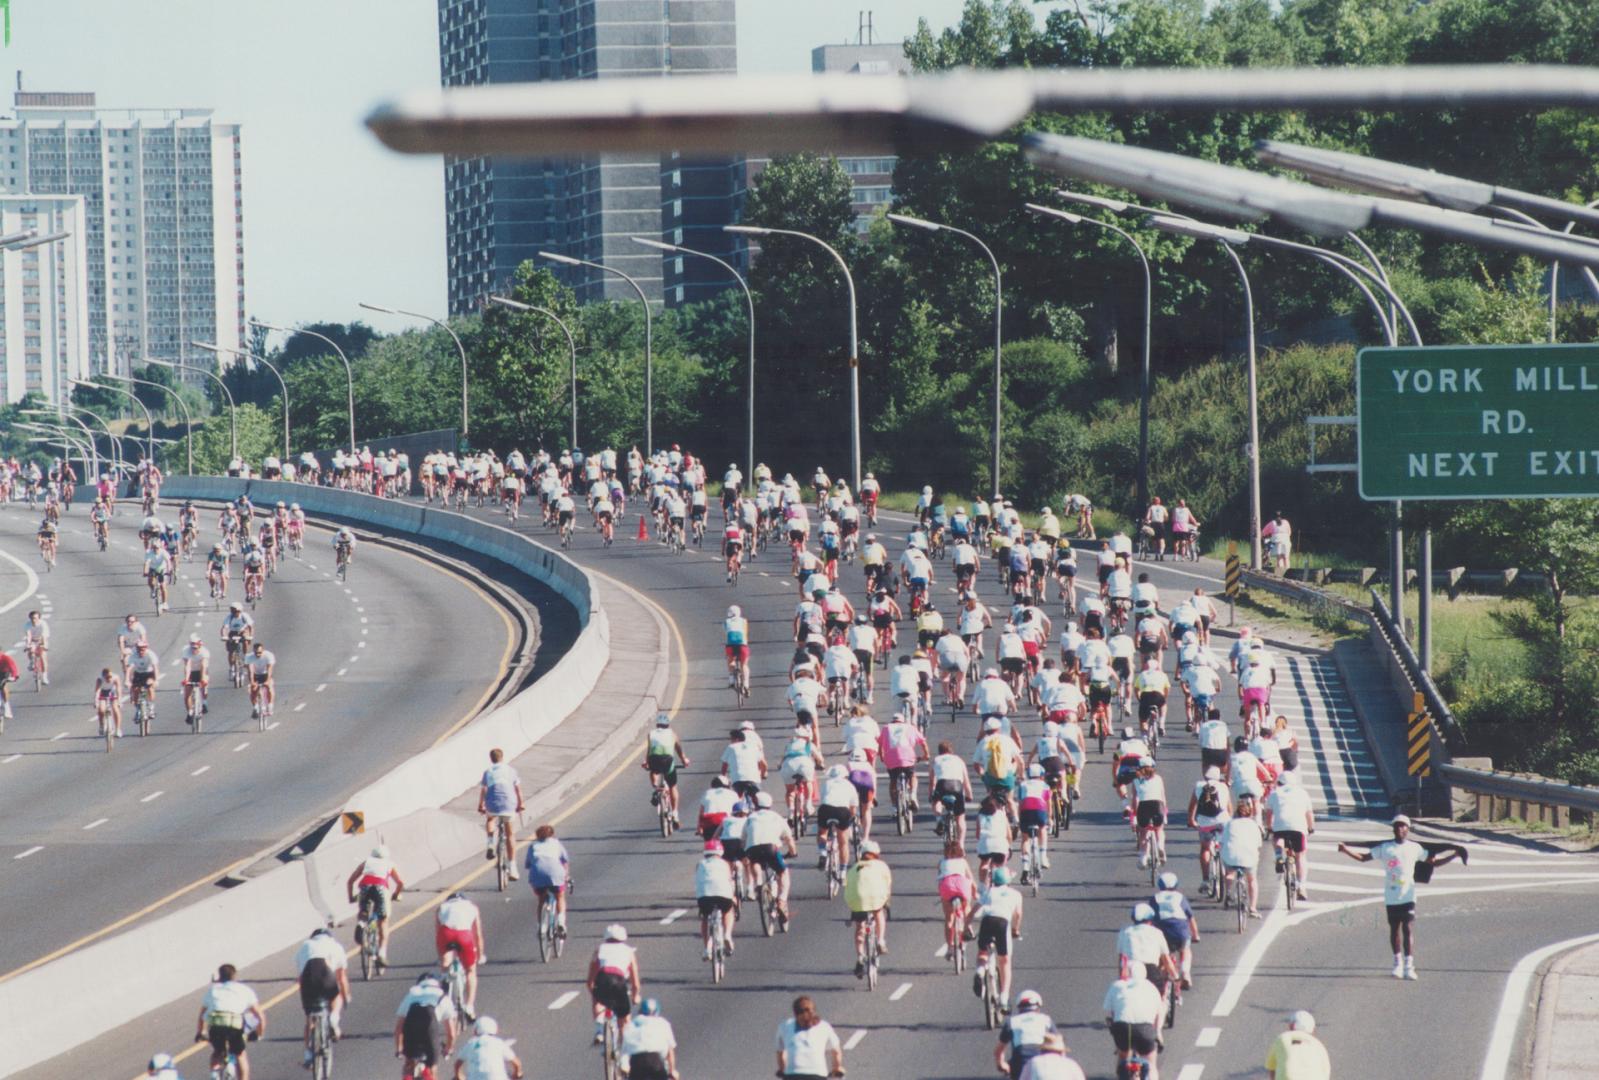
[[854, 336], [94, 450], [1144, 378], [999, 320], [233, 406], [571, 344], [649, 347], [149, 421], [188, 420], [349, 372], [270, 367], [749, 300], [441, 324], [118, 458]]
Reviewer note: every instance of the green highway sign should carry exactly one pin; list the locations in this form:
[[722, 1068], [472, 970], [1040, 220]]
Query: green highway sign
[[1478, 421]]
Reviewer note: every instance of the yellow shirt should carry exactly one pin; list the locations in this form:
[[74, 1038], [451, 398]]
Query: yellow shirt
[[867, 885], [1297, 1056]]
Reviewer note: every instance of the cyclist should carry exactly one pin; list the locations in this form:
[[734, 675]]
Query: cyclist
[[107, 694], [807, 1046], [228, 1011], [1133, 1009], [614, 981], [254, 569], [549, 871], [196, 676], [499, 800], [263, 693], [1291, 819], [1141, 947], [999, 921], [1124, 765], [736, 631], [953, 657], [868, 887], [662, 753], [994, 836], [1022, 1037], [743, 764], [1032, 795], [48, 539], [801, 758], [343, 545], [649, 1046], [36, 644], [994, 697], [948, 778], [458, 926], [486, 1056], [373, 879], [1174, 917], [425, 1025], [1241, 841], [237, 630], [840, 667], [1210, 807], [1060, 751], [1152, 687], [324, 980], [1247, 775], [767, 839], [901, 745], [998, 759], [862, 641], [1149, 800], [840, 802], [716, 894], [157, 570], [216, 570], [144, 673]]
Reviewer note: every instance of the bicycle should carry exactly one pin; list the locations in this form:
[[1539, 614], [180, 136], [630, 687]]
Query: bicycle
[[663, 809], [993, 1007], [366, 931], [1033, 861], [835, 701], [1060, 806], [1290, 877], [322, 1043], [946, 817], [610, 1044], [566, 534], [228, 1070], [1149, 853], [193, 706], [831, 868], [455, 979], [1238, 896], [552, 938], [1210, 884], [143, 712], [718, 948], [904, 816], [1133, 1067], [503, 855], [342, 556], [741, 682], [955, 938], [34, 667], [767, 897], [873, 954]]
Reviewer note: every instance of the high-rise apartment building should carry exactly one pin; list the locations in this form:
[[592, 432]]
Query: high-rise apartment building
[[502, 211], [163, 219], [44, 301], [871, 176]]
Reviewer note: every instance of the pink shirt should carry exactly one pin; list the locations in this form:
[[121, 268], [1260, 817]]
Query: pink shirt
[[898, 744]]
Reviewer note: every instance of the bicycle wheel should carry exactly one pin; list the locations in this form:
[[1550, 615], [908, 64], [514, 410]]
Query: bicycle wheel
[[1154, 862], [871, 960], [546, 935], [768, 906], [502, 863], [1290, 880], [1240, 900], [990, 997], [663, 810], [369, 953], [609, 1049]]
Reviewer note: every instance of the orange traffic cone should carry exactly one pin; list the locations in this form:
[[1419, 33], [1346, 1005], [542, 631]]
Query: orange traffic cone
[[643, 533]]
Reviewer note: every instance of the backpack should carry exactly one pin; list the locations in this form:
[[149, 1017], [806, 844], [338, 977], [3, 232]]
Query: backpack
[[1209, 803], [999, 758]]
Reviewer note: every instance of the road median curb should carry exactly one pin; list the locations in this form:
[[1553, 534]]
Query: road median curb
[[1565, 1033]]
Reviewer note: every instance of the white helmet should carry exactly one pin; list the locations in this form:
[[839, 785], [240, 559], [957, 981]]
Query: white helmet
[[486, 1025], [616, 932], [380, 852], [733, 612]]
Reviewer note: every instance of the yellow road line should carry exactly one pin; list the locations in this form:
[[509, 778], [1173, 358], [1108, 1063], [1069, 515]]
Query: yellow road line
[[111, 928], [593, 793]]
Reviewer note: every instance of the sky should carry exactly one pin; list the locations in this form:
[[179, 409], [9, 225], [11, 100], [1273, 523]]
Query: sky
[[331, 218]]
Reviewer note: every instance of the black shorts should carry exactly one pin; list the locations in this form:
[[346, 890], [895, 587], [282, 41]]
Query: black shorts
[[1100, 693], [710, 905], [1104, 573], [662, 765], [1139, 1038], [1292, 839], [1150, 700], [732, 850], [1207, 758], [195, 678], [1093, 620], [953, 789], [1151, 814], [647, 1067], [1148, 646], [864, 658], [1399, 914], [419, 1036], [826, 816], [226, 1040], [862, 916], [318, 985], [139, 679], [611, 990], [1013, 665], [747, 789], [993, 935], [1122, 666], [767, 857]]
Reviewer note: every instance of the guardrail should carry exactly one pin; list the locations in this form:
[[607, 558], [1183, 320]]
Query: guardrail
[[1504, 795], [1443, 719]]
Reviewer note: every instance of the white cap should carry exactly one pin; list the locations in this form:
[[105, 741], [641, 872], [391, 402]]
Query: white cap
[[487, 1025], [1400, 819], [992, 724], [1302, 1021]]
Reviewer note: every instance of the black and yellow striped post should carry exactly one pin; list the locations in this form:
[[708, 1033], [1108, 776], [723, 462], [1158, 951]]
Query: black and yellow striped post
[[1234, 580], [1420, 742]]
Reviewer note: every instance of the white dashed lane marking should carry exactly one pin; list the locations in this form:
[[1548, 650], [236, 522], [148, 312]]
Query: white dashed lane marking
[[58, 738], [900, 991], [153, 796], [1192, 1071], [95, 824], [1208, 1037], [563, 1001], [321, 687], [31, 851], [674, 916], [201, 769], [339, 673], [855, 1039], [241, 746], [300, 706], [10, 759]]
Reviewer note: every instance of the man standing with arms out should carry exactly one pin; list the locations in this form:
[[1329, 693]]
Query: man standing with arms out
[[1399, 857], [229, 1010], [1297, 1054], [500, 799]]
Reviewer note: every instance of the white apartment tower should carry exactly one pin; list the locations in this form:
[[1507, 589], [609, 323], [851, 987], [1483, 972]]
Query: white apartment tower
[[163, 216], [44, 306]]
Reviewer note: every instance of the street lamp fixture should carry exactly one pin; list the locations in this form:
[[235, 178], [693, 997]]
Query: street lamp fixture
[[149, 421]]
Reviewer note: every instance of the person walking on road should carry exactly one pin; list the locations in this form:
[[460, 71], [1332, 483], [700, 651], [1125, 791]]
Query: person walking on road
[[1297, 1054], [1400, 858]]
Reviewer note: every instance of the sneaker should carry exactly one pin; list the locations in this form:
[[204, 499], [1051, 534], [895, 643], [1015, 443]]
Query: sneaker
[[655, 797], [306, 1064], [599, 1034], [1043, 860], [360, 933], [1279, 864], [707, 954], [1410, 971], [513, 875], [1143, 859], [977, 984], [821, 862], [488, 853], [1253, 914], [860, 969], [729, 946], [1399, 969], [338, 1029], [45, 679], [1300, 894]]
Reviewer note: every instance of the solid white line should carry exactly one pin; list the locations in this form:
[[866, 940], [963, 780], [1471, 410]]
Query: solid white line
[[241, 746], [201, 769], [153, 796], [28, 575], [563, 1001], [30, 851], [95, 824], [855, 1039], [1191, 1071], [300, 706], [1208, 1037], [900, 991], [1496, 1065], [1244, 970], [674, 916]]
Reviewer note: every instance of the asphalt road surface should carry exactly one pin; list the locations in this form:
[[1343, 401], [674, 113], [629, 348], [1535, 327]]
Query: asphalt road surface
[[93, 839], [923, 1021]]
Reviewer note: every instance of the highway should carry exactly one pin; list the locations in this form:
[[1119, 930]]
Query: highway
[[93, 840], [922, 1021]]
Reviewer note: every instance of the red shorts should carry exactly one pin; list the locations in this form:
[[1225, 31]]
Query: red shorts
[[1030, 648], [956, 885], [738, 652], [465, 943]]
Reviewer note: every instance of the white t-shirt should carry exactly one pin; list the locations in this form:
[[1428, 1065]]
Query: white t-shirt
[[648, 1035], [807, 1051], [1052, 1067], [1240, 843], [1398, 861], [459, 914], [838, 791], [743, 762], [1002, 902], [230, 999], [1133, 1001], [486, 1057], [948, 767], [1213, 735], [1289, 809], [1141, 943], [321, 947], [993, 697], [713, 877]]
